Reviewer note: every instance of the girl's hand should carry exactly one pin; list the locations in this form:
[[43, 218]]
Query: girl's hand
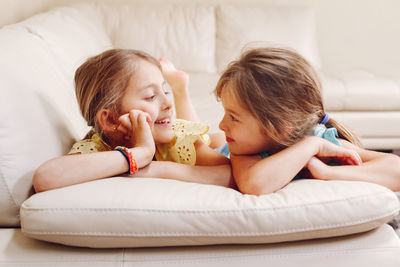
[[329, 151], [318, 169], [135, 125]]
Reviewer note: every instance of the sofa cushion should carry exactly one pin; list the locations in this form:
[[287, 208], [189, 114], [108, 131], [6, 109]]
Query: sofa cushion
[[183, 33], [146, 212], [251, 26]]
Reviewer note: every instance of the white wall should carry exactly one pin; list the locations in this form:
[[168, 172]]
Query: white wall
[[352, 34]]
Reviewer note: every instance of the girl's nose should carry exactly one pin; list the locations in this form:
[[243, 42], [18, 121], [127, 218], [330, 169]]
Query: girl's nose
[[222, 125], [167, 103]]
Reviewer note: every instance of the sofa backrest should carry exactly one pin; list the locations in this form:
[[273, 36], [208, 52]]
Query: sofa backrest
[[183, 33], [240, 27], [39, 116]]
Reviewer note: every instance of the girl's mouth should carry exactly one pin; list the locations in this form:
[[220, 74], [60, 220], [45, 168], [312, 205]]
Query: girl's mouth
[[229, 139], [163, 122]]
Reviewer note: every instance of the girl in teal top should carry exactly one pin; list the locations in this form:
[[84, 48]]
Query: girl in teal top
[[273, 107]]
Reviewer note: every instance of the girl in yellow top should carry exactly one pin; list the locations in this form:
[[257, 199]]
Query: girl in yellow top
[[122, 95]]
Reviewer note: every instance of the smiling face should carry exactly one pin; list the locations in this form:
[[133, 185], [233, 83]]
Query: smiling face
[[242, 130], [146, 91]]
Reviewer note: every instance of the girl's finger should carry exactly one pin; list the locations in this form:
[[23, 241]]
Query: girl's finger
[[356, 158], [352, 157], [141, 119], [133, 116], [122, 129], [125, 121], [350, 161], [147, 117]]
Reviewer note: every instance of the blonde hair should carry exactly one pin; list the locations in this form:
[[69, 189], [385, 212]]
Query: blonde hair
[[101, 82], [282, 91]]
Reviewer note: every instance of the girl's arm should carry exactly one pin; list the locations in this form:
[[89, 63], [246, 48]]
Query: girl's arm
[[216, 175], [80, 168], [75, 169], [205, 155], [257, 176], [380, 168]]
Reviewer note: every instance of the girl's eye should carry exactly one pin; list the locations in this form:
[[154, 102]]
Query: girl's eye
[[150, 98], [165, 89], [233, 118]]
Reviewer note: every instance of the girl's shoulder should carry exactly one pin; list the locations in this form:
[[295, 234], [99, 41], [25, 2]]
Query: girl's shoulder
[[182, 148], [184, 129], [89, 145], [330, 134]]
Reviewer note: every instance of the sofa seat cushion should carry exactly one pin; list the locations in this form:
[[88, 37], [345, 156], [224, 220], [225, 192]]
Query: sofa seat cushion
[[380, 247], [147, 212]]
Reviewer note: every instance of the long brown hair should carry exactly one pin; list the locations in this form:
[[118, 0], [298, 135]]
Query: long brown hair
[[282, 91], [101, 81]]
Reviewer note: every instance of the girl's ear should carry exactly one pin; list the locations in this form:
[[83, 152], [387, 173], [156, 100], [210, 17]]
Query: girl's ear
[[107, 121]]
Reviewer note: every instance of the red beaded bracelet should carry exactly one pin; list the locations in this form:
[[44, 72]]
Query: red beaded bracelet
[[129, 157]]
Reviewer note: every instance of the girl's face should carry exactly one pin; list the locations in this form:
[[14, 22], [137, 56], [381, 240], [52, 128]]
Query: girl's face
[[242, 130], [146, 91]]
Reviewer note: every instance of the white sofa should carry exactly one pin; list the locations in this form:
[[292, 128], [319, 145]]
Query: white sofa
[[334, 224]]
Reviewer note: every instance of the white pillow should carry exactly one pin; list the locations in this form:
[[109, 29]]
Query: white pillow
[[240, 27], [147, 212]]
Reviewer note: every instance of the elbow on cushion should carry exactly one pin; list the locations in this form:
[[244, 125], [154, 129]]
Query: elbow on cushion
[[43, 177], [252, 185], [39, 180]]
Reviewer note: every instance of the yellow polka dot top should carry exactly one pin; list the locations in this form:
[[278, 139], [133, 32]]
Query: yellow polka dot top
[[181, 149]]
